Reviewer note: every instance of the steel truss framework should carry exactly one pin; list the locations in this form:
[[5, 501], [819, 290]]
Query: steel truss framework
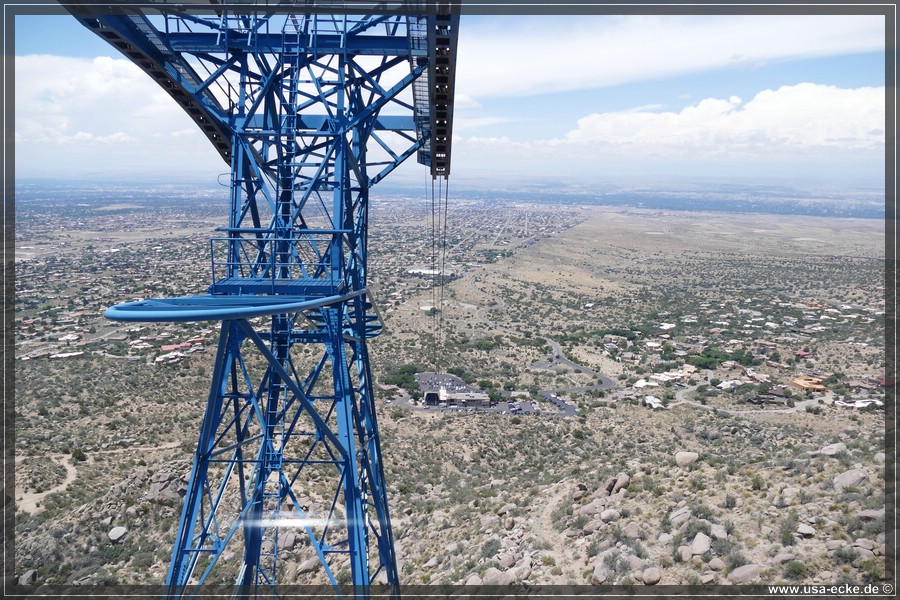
[[310, 110]]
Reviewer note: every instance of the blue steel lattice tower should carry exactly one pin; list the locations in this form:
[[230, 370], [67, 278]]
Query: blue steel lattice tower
[[310, 104]]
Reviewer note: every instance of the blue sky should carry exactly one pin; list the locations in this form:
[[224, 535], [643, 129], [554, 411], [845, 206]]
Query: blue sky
[[574, 97]]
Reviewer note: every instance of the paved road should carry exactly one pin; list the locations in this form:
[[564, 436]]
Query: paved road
[[555, 356]]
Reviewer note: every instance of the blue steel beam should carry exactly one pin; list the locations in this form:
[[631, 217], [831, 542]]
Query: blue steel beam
[[294, 105]]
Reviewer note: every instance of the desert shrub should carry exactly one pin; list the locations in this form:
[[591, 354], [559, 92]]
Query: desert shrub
[[846, 554], [490, 548], [795, 570]]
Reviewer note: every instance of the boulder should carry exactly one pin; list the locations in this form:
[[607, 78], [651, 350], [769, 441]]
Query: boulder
[[506, 560], [871, 514], [806, 531], [745, 573], [473, 579], [432, 563], [782, 557], [830, 450], [718, 531], [117, 533], [309, 565], [494, 576], [505, 509], [28, 577], [593, 508], [701, 544], [864, 543], [609, 515], [287, 541], [592, 526], [622, 482], [632, 530], [680, 516], [600, 574], [851, 478], [685, 553], [683, 459], [609, 484], [509, 523], [651, 576], [862, 556], [717, 564]]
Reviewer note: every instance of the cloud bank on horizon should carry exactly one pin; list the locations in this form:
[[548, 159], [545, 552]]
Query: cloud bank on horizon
[[103, 114]]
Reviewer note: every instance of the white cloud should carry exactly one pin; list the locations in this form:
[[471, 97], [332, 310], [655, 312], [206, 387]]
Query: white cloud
[[80, 109], [517, 56], [800, 129], [808, 118]]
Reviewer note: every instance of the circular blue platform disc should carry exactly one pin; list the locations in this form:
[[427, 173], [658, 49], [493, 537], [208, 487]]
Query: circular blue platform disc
[[216, 308]]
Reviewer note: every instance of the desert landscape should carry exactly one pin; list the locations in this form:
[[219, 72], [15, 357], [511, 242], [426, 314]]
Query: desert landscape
[[570, 319]]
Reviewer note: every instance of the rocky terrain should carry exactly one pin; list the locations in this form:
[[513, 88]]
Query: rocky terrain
[[700, 493]]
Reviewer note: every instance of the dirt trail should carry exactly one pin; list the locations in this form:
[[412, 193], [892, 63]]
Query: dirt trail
[[28, 501]]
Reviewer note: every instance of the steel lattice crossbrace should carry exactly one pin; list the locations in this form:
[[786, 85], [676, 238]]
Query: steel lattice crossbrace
[[310, 110]]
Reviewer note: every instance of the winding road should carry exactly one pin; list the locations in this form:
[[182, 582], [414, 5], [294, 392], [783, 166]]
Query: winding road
[[555, 356]]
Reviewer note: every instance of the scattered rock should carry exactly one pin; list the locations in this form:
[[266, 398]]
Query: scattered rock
[[632, 530], [835, 544], [609, 515], [789, 495], [683, 459], [829, 450], [806, 531], [718, 531], [309, 565], [117, 533], [595, 507], [862, 555], [664, 538], [287, 541], [651, 576], [782, 557], [592, 526], [871, 514], [864, 543], [600, 574], [505, 509], [494, 576], [506, 560], [745, 573], [432, 563], [707, 578], [680, 516], [28, 577], [851, 478], [609, 484], [701, 544], [622, 482]]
